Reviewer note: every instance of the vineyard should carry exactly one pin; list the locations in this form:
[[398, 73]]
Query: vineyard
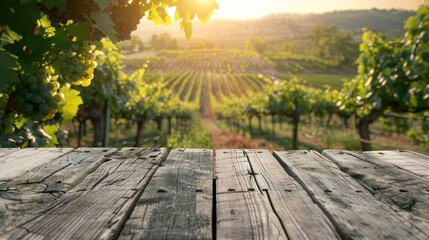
[[62, 69], [236, 87]]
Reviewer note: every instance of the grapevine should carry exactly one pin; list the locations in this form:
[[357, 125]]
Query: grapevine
[[48, 53]]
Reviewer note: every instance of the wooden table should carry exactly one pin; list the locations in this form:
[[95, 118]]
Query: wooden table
[[103, 193]]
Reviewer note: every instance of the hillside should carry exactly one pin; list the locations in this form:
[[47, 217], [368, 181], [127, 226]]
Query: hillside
[[232, 33]]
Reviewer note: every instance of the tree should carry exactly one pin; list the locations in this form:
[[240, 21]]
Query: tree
[[47, 48], [163, 42], [331, 44], [200, 43], [292, 99], [257, 44], [392, 75], [135, 44]]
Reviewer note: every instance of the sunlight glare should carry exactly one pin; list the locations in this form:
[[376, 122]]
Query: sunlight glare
[[251, 9]]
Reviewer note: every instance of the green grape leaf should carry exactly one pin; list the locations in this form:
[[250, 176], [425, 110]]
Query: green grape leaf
[[80, 31], [7, 75], [7, 60], [9, 36], [159, 15], [105, 24], [106, 44], [103, 4], [51, 130], [20, 122], [73, 100], [187, 27]]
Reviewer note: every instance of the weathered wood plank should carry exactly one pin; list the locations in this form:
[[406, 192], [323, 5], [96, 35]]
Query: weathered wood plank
[[233, 172], [354, 210], [242, 210], [387, 181], [410, 161], [177, 203], [17, 163], [6, 151], [299, 215], [37, 189], [99, 205], [246, 215]]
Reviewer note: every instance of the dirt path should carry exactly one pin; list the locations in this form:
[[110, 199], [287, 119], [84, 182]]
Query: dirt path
[[222, 139]]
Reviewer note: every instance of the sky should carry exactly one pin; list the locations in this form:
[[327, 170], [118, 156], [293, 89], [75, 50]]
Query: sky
[[252, 9]]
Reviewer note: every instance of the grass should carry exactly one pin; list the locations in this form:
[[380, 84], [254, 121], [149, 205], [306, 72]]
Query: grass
[[319, 80], [316, 136], [193, 134]]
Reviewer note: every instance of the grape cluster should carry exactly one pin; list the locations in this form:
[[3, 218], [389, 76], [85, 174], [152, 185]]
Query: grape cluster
[[79, 10], [6, 123], [57, 15], [37, 96], [77, 64], [126, 19]]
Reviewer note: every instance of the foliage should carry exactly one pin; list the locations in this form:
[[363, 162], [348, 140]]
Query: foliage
[[163, 42], [391, 75], [135, 44], [48, 48], [200, 43], [196, 135], [334, 45], [257, 44]]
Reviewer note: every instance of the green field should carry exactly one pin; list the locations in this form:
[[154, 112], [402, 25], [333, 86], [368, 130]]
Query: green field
[[319, 80]]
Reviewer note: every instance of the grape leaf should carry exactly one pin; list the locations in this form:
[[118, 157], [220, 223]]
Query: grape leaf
[[7, 60], [51, 130], [105, 24], [186, 26], [106, 44], [7, 75], [9, 36], [159, 15], [80, 31], [73, 99], [103, 4]]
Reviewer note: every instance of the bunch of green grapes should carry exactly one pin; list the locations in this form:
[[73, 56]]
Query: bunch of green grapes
[[6, 122], [37, 96], [77, 64]]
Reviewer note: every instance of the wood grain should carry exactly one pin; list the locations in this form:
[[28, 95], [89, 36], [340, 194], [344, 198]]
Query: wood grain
[[387, 181], [301, 218], [28, 194], [17, 163], [243, 212], [177, 203], [6, 151], [413, 162], [98, 206], [353, 209]]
